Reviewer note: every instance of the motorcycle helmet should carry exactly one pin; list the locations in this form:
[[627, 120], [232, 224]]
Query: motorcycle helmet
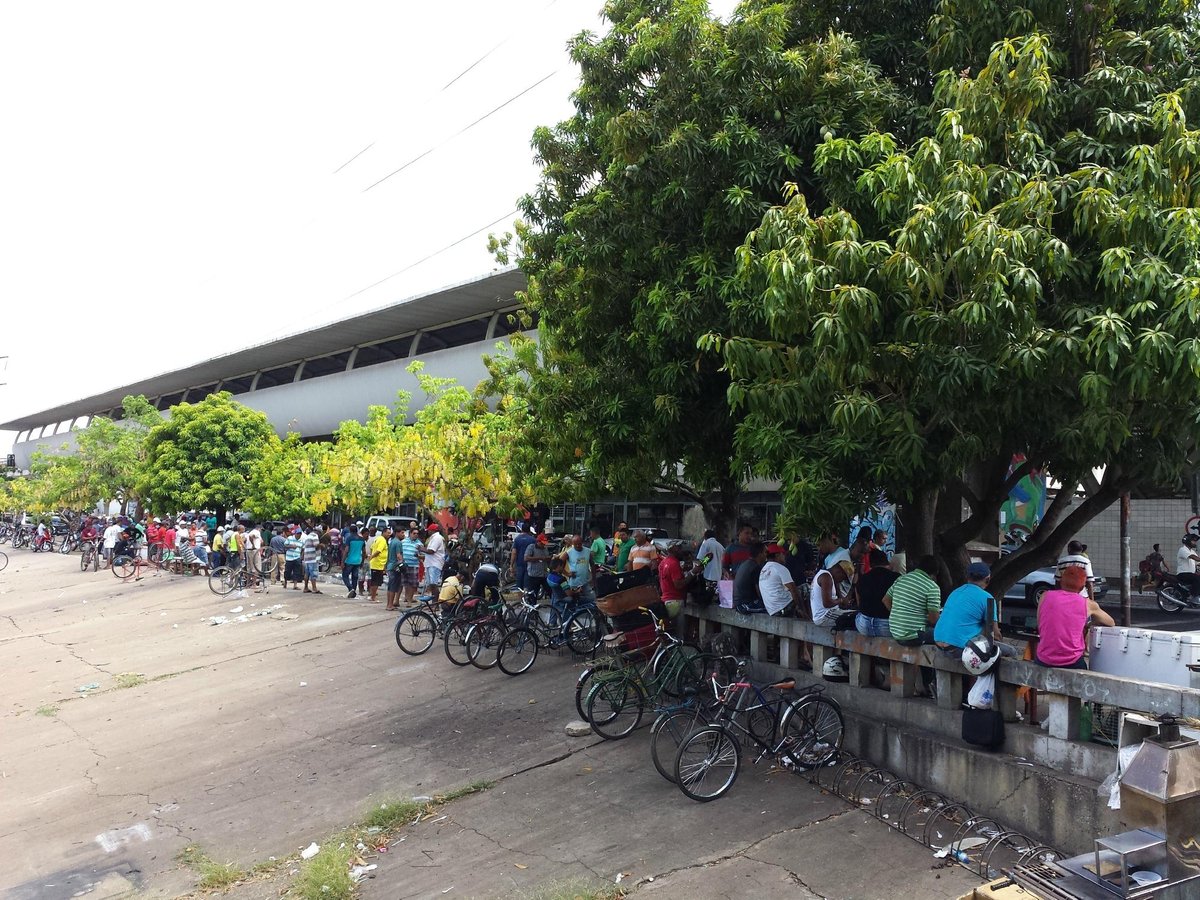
[[835, 669], [980, 654]]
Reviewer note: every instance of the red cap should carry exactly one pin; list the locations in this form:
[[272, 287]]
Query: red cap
[[434, 526], [772, 549]]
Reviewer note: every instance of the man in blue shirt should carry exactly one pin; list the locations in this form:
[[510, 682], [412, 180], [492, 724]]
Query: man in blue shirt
[[965, 613], [520, 544], [411, 551], [579, 564], [394, 567]]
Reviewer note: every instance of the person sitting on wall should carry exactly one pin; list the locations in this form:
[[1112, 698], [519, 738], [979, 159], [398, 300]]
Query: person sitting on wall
[[1063, 618]]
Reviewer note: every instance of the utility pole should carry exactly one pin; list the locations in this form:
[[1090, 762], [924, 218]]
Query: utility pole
[[1126, 590]]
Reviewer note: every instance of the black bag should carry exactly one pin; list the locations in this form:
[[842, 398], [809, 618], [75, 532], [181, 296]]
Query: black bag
[[845, 622], [611, 582], [983, 728]]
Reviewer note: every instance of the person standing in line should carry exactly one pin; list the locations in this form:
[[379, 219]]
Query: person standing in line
[[537, 557], [710, 553], [643, 552], [233, 547], [598, 548], [293, 568], [411, 550], [376, 561], [279, 550], [622, 544], [579, 565], [254, 545], [309, 552], [394, 568], [112, 534], [673, 582], [218, 545], [352, 558], [521, 543], [435, 556]]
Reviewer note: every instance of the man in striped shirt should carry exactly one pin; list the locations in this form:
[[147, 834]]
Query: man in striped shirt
[[914, 602]]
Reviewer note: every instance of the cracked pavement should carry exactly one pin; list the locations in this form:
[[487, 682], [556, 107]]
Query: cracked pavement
[[233, 753]]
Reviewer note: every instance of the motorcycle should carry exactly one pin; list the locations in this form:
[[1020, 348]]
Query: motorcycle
[[1173, 596]]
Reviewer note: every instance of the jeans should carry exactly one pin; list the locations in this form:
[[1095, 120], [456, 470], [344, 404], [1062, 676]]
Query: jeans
[[872, 627], [520, 573], [350, 577], [536, 586]]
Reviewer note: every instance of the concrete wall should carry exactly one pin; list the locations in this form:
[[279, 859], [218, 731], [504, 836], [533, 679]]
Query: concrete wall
[[1150, 522]]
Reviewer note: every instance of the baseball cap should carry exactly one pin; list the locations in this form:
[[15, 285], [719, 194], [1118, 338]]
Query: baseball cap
[[772, 549], [434, 526], [978, 570]]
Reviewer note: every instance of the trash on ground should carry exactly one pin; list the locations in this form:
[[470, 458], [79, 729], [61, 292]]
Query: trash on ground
[[304, 684], [310, 851], [236, 609], [358, 873], [374, 829], [90, 686], [520, 866]]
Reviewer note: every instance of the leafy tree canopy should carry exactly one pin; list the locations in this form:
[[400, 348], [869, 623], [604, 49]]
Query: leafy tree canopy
[[287, 479], [1006, 260], [684, 133], [204, 455]]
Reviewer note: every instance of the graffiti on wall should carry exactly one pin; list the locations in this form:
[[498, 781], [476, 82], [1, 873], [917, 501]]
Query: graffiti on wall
[[881, 517], [1026, 503]]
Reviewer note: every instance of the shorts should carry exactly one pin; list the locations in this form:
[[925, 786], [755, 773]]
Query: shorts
[[393, 579], [292, 570], [410, 577], [310, 571], [376, 577], [433, 575]]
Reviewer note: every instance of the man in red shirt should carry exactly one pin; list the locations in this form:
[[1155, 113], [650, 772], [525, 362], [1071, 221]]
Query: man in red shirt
[[672, 582]]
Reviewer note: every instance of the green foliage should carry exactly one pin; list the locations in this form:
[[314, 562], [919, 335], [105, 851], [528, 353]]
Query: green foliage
[[213, 875], [1016, 269], [105, 464], [285, 481], [203, 456], [685, 131]]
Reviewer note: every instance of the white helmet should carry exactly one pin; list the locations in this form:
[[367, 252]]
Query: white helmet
[[835, 670], [980, 654]]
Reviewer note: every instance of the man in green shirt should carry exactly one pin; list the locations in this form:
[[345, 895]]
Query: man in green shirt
[[598, 548], [914, 602], [622, 544]]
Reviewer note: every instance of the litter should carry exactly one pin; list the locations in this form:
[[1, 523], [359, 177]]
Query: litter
[[310, 851], [448, 890], [217, 620], [236, 609], [287, 617], [304, 684], [358, 873], [374, 829], [90, 686], [519, 866]]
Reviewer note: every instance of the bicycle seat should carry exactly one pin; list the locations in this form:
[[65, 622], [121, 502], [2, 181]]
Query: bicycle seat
[[613, 638], [785, 685]]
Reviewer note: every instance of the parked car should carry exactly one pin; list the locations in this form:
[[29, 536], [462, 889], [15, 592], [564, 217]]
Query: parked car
[[402, 523], [1019, 609]]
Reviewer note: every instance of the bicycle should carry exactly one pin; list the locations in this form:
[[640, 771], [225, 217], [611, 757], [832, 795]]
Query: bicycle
[[418, 628], [807, 731], [90, 556], [3, 560], [223, 580], [486, 632], [618, 697], [128, 566]]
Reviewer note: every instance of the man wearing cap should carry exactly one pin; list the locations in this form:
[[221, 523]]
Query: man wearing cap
[[218, 545], [967, 612], [1185, 564], [775, 583], [829, 592], [435, 555], [1063, 617], [1077, 556]]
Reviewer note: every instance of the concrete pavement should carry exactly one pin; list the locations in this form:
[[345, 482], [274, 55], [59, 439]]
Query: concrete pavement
[[252, 738]]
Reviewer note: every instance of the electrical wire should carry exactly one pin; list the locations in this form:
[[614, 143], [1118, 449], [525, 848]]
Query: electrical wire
[[464, 129], [430, 256]]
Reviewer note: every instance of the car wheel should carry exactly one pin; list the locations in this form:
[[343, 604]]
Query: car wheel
[[1036, 592]]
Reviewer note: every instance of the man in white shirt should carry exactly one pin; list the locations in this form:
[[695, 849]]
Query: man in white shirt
[[1185, 564], [111, 535], [1077, 556], [435, 556], [775, 583], [712, 549]]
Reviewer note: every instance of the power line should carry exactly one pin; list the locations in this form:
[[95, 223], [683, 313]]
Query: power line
[[430, 256], [463, 130], [511, 35], [353, 158]]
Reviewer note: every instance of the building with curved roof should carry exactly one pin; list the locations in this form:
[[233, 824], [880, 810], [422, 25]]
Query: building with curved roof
[[311, 381]]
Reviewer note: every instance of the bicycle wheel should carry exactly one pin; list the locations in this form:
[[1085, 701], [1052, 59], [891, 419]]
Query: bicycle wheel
[[707, 764], [455, 643], [584, 683], [3, 560], [667, 733], [124, 567], [483, 644], [415, 632], [677, 669], [518, 651], [222, 580], [583, 632], [615, 707], [812, 729]]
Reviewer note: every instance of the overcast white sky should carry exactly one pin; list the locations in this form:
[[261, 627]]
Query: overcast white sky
[[176, 181]]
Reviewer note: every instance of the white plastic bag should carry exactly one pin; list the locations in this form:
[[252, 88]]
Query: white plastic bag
[[725, 593], [983, 691]]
